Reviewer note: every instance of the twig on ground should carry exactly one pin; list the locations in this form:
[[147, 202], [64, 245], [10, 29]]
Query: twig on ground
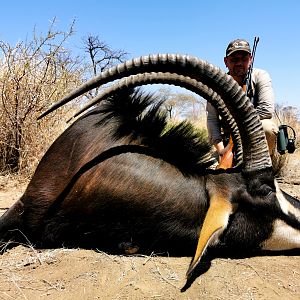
[[30, 245], [148, 258], [19, 289], [163, 278]]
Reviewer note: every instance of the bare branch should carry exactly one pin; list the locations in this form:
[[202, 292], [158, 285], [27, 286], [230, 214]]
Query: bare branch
[[33, 74], [101, 56]]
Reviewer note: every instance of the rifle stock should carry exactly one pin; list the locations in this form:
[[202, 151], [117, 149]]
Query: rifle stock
[[226, 161], [227, 158]]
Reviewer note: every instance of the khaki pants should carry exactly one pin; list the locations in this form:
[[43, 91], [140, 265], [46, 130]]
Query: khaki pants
[[271, 131]]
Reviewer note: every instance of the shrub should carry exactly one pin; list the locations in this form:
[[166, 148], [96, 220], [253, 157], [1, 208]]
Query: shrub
[[33, 75]]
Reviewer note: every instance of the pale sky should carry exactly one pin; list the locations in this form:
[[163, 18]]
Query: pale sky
[[199, 28]]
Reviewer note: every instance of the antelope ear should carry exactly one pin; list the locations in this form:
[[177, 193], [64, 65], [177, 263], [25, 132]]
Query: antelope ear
[[214, 224]]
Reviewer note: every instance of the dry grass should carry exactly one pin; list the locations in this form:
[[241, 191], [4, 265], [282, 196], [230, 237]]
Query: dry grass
[[33, 74], [84, 274]]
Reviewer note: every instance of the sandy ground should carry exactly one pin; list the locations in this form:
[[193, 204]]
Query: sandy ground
[[26, 273]]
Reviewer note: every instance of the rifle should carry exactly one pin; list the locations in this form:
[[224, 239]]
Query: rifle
[[227, 158], [247, 80]]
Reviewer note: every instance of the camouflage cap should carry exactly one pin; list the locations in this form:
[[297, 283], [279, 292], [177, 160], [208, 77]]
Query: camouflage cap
[[238, 45]]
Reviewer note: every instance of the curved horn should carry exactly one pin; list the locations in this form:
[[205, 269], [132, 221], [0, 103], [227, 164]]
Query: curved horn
[[174, 63], [256, 155], [178, 80]]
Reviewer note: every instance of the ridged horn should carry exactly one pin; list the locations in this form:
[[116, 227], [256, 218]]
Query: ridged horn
[[256, 155], [177, 80]]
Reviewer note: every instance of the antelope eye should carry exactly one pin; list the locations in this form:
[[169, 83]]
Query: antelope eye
[[265, 190]]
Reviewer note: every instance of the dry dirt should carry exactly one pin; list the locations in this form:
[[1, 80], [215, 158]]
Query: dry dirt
[[26, 273]]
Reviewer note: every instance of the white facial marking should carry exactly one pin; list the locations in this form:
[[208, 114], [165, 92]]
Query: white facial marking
[[284, 237], [285, 205]]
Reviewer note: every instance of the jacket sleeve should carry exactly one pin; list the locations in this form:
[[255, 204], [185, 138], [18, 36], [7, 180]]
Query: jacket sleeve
[[213, 124], [264, 94]]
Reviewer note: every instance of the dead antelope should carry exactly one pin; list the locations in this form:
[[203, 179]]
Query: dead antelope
[[119, 175]]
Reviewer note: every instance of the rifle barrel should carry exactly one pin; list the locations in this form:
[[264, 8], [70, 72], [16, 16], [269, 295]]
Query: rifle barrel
[[248, 76]]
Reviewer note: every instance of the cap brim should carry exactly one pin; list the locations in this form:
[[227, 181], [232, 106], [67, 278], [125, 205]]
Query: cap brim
[[238, 50]]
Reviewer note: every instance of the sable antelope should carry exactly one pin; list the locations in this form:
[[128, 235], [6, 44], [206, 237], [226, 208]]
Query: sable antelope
[[117, 174]]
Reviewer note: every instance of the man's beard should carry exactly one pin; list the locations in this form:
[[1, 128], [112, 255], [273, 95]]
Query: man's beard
[[240, 72]]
